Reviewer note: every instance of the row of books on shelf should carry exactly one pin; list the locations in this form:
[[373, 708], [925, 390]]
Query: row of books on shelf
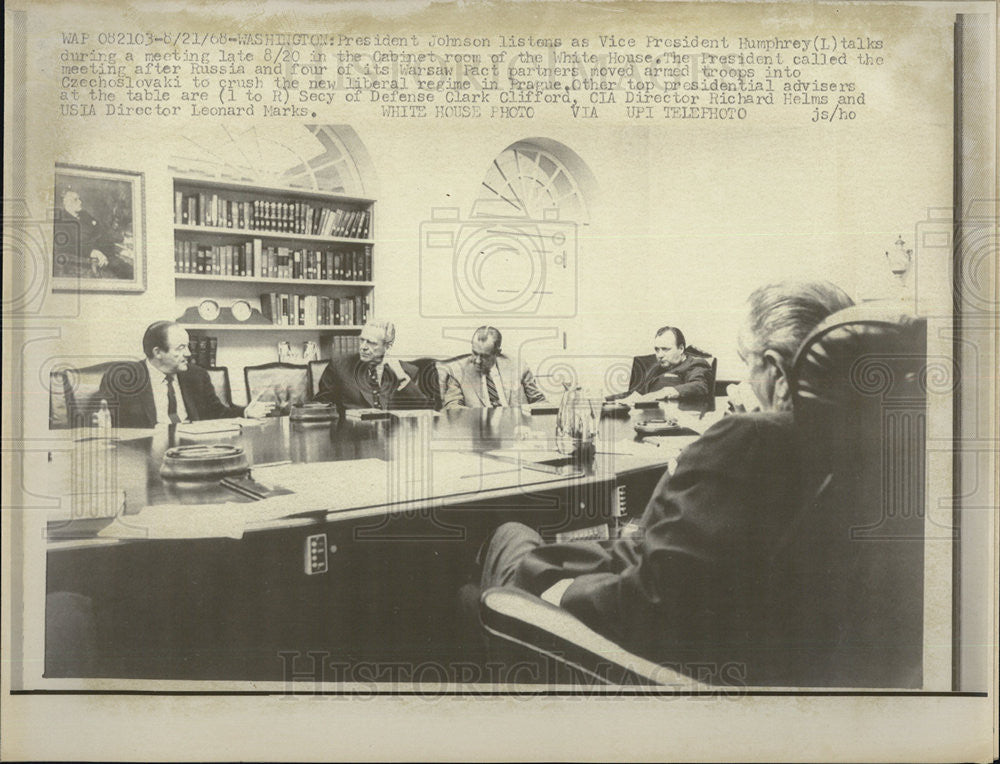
[[210, 209], [203, 349], [340, 344], [314, 309], [253, 259]]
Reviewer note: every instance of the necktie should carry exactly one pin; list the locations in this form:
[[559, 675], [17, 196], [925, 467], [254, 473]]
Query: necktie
[[491, 390], [373, 381], [172, 400]]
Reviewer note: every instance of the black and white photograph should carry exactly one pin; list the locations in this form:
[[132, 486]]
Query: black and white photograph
[[97, 232], [500, 381]]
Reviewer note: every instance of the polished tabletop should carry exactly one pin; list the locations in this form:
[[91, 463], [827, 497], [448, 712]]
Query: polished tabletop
[[352, 465]]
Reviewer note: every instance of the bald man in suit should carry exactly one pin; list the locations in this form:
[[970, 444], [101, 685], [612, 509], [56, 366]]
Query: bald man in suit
[[488, 378]]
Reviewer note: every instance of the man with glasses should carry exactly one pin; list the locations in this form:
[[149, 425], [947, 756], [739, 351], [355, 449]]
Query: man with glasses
[[165, 388], [487, 378], [369, 380]]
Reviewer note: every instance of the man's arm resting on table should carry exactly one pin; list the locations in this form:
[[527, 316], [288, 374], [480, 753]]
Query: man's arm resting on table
[[663, 394]]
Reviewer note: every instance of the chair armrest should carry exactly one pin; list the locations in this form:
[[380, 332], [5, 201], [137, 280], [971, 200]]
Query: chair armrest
[[523, 619]]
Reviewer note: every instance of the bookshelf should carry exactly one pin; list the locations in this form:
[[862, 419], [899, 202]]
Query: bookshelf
[[302, 259]]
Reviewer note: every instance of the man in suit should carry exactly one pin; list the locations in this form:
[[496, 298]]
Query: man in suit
[[145, 393], [488, 378], [84, 246], [690, 586], [367, 379], [670, 373]]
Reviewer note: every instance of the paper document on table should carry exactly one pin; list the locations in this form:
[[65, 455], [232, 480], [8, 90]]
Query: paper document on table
[[671, 444], [455, 473], [329, 485], [527, 454], [694, 420], [208, 426]]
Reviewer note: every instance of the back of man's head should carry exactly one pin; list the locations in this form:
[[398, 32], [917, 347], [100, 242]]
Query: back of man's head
[[780, 315], [156, 336]]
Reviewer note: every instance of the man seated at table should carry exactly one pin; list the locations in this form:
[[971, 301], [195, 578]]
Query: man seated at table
[[144, 393], [689, 581], [487, 378], [368, 379], [671, 373]]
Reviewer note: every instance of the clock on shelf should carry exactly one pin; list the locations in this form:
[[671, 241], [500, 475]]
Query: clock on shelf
[[209, 312], [242, 310], [306, 256]]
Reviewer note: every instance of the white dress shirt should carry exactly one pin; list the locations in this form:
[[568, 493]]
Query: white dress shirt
[[158, 383], [498, 381]]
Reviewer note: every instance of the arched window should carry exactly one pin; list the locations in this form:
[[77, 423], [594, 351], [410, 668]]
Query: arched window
[[517, 253], [531, 179], [315, 157]]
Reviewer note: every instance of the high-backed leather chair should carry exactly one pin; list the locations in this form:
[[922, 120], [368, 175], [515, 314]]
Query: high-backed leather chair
[[841, 603], [848, 575], [219, 376], [286, 383], [316, 369], [429, 380], [73, 395], [645, 368]]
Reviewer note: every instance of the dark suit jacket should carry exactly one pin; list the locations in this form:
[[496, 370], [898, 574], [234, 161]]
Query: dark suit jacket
[[127, 390], [692, 377], [76, 237], [693, 586], [345, 383]]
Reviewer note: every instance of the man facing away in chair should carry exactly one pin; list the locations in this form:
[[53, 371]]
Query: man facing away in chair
[[487, 378], [145, 393], [689, 585], [369, 379], [673, 372]]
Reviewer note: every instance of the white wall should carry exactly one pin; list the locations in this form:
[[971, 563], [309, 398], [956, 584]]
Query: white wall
[[688, 219]]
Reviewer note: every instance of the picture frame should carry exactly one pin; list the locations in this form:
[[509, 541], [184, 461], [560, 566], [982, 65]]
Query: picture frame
[[98, 230]]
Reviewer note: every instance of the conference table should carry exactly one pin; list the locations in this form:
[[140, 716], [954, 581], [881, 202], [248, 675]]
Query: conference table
[[352, 553]]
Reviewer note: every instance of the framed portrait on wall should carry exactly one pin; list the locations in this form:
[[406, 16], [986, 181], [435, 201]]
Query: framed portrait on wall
[[98, 236]]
